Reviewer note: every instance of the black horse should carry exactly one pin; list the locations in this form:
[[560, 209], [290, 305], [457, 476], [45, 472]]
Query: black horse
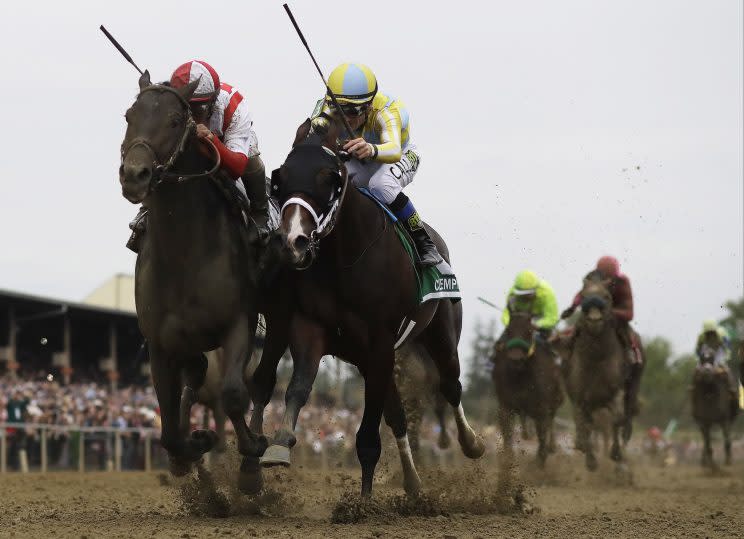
[[527, 382], [196, 274], [351, 302]]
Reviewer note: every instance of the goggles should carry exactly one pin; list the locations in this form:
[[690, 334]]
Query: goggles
[[351, 109]]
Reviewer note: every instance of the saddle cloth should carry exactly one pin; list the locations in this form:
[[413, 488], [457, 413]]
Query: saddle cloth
[[436, 282]]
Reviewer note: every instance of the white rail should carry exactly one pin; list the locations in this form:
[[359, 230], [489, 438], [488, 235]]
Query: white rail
[[146, 434]]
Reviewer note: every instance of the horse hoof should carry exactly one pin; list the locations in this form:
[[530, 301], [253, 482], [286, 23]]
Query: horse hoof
[[275, 455], [591, 462], [204, 440], [474, 448], [444, 440], [250, 479]]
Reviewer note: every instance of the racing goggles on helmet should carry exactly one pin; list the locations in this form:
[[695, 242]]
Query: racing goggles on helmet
[[351, 109]]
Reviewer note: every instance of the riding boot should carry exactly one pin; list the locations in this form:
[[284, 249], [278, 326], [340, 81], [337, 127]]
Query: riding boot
[[403, 209], [138, 226], [254, 179]]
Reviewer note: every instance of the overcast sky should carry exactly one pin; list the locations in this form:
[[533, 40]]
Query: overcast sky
[[550, 132]]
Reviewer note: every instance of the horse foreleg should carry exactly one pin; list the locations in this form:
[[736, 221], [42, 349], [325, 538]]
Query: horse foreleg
[[542, 425], [707, 458], [377, 369], [583, 436], [166, 378], [439, 410], [524, 427], [395, 417], [726, 428], [507, 428], [263, 381], [308, 343], [237, 348]]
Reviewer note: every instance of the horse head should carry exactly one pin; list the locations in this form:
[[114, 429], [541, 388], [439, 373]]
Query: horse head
[[596, 304], [159, 124], [309, 187], [519, 338]]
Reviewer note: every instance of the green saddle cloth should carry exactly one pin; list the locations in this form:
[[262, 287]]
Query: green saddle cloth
[[434, 282]]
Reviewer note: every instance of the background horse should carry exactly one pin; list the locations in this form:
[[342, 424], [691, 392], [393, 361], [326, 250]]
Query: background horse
[[195, 277], [527, 382], [712, 403], [352, 300], [597, 371]]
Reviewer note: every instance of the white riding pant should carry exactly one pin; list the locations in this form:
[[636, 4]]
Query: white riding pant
[[386, 180]]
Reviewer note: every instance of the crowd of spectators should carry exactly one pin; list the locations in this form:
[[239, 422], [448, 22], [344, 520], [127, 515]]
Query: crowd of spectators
[[134, 412], [323, 432]]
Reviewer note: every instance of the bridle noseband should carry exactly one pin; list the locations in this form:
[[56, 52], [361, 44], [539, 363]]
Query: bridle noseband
[[162, 171], [326, 221]]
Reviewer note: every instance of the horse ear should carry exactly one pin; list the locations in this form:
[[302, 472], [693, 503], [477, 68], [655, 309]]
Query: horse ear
[[275, 180], [188, 90], [144, 80]]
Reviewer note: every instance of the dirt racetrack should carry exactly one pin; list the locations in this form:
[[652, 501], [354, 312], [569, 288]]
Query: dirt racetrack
[[564, 501]]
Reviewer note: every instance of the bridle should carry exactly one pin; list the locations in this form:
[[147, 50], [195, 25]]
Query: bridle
[[326, 221], [162, 171], [518, 342]]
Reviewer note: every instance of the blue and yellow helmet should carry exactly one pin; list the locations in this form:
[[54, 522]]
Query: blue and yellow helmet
[[353, 84]]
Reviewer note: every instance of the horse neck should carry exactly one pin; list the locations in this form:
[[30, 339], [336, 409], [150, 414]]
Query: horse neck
[[598, 344], [184, 217], [357, 227]]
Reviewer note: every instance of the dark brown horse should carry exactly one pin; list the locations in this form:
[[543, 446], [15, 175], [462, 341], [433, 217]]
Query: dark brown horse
[[353, 299], [527, 382], [195, 277], [597, 371], [712, 403]]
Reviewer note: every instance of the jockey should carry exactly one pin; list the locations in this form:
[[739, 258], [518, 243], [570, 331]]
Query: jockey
[[534, 295], [222, 116], [622, 304], [385, 159], [716, 338]]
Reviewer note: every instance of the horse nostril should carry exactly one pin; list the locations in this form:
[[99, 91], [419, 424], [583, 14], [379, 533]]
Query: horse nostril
[[301, 242], [143, 174]]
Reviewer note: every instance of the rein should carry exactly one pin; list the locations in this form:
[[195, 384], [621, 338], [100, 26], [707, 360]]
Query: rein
[[163, 170]]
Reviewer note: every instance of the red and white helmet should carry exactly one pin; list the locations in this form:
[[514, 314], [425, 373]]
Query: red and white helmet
[[608, 266], [209, 80]]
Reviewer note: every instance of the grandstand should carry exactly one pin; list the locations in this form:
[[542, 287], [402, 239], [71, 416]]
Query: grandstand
[[94, 340]]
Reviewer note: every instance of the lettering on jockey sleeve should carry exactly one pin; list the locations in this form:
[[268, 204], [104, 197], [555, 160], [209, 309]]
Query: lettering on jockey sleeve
[[445, 283]]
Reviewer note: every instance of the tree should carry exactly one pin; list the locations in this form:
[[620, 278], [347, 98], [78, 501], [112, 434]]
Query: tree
[[478, 395], [665, 385]]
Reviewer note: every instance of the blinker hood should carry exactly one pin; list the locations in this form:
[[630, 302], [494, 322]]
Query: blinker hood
[[301, 169]]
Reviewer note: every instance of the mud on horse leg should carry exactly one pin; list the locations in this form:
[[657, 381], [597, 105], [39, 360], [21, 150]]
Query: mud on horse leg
[[395, 417]]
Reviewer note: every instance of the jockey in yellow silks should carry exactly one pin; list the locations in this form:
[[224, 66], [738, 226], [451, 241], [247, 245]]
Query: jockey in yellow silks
[[384, 159], [534, 295]]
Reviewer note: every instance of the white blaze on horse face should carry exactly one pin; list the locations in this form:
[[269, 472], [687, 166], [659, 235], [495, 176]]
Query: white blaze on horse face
[[295, 227]]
